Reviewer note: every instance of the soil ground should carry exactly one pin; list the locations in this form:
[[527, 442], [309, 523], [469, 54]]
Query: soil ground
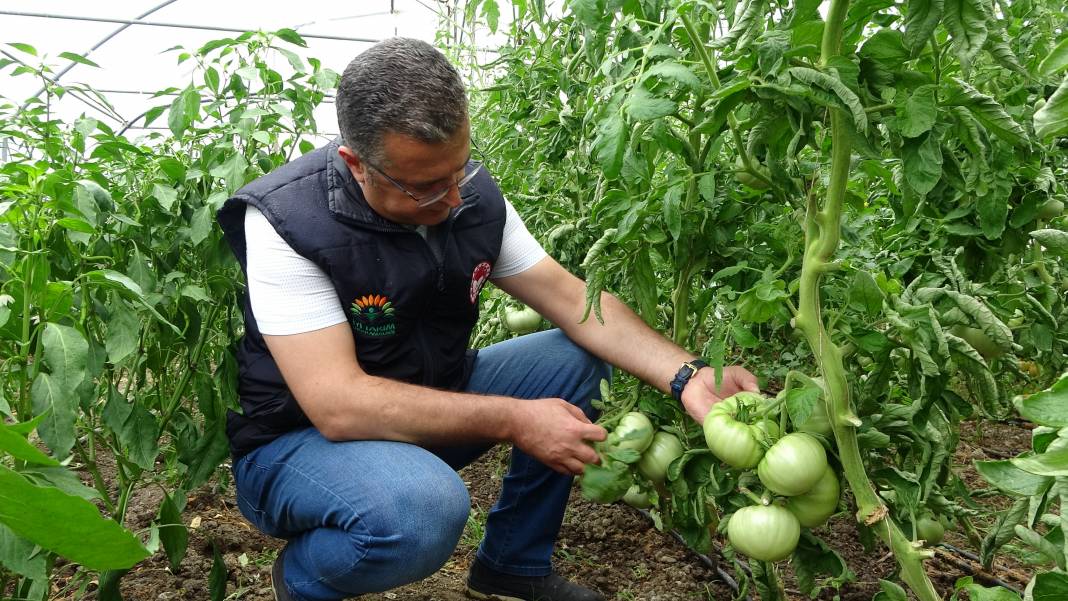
[[612, 548]]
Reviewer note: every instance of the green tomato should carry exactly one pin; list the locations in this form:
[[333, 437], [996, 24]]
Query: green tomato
[[814, 507], [979, 341], [764, 532], [654, 463], [1050, 209], [736, 443], [634, 431], [929, 529], [793, 465], [636, 497], [748, 179], [524, 321]]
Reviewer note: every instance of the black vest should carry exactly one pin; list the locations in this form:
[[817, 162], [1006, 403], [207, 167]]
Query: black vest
[[411, 302]]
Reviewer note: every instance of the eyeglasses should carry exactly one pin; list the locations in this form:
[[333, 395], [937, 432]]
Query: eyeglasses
[[430, 198]]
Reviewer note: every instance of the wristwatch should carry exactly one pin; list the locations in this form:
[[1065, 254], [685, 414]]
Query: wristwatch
[[686, 372]]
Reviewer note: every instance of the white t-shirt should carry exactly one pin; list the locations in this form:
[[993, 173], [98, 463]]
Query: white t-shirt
[[290, 294]]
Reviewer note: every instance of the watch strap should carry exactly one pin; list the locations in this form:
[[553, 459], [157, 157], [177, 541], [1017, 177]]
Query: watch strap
[[683, 376]]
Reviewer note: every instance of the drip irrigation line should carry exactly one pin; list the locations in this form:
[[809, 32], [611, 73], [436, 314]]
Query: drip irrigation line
[[710, 563], [316, 36], [975, 558], [980, 576]]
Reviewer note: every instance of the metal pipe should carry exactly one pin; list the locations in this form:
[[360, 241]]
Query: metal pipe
[[15, 13], [104, 41]]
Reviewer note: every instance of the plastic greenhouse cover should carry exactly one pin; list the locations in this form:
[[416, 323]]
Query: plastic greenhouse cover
[[134, 63]]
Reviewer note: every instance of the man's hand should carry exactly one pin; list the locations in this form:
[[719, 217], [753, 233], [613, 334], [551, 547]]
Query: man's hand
[[555, 433], [701, 393]]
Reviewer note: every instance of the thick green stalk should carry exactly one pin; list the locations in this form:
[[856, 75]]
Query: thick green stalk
[[822, 232]]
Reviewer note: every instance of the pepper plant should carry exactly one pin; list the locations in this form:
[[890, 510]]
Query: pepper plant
[[119, 303]]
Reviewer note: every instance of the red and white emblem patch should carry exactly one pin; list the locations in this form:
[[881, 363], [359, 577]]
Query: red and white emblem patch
[[478, 278]]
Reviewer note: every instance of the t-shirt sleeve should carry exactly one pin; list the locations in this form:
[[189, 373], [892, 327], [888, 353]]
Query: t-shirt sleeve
[[289, 293], [519, 250]]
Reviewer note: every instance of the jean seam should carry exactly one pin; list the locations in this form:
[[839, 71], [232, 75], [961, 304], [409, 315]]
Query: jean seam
[[348, 505], [507, 541]]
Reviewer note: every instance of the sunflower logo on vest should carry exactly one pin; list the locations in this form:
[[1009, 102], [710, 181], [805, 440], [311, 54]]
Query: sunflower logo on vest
[[373, 315]]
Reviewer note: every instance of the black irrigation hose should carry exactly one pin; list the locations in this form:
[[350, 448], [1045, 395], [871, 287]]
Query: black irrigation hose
[[948, 549], [708, 561], [991, 579]]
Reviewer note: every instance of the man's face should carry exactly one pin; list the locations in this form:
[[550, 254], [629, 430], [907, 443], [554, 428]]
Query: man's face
[[420, 168]]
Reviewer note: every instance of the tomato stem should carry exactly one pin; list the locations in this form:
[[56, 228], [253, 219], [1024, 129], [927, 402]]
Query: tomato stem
[[822, 235]]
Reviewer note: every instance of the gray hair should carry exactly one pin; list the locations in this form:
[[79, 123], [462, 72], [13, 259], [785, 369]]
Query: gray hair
[[399, 85]]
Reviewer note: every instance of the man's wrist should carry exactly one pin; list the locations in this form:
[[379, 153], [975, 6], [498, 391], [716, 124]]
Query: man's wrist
[[686, 372]]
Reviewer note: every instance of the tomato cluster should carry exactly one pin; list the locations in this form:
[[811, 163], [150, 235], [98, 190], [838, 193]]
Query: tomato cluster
[[746, 431]]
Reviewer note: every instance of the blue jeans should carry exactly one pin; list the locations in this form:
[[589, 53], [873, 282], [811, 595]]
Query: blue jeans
[[368, 515]]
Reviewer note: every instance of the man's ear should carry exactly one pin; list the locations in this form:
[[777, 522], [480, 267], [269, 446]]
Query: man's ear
[[357, 168]]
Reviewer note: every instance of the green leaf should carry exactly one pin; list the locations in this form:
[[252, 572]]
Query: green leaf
[[57, 429], [605, 483], [21, 556], [172, 532], [24, 48], [291, 36], [998, 47], [1050, 463], [491, 13], [232, 170], [184, 111], [217, 576], [1055, 241], [609, 144], [1056, 60], [762, 302], [1050, 586], [886, 47], [993, 209], [1048, 407], [644, 286], [890, 591], [1012, 480], [77, 58], [76, 225], [123, 335], [865, 294], [641, 105], [164, 195], [200, 225], [920, 22], [18, 447], [33, 512], [673, 211], [989, 113], [1052, 119], [673, 71], [139, 434], [922, 162], [966, 21], [115, 280], [919, 113], [833, 84], [748, 15], [978, 592]]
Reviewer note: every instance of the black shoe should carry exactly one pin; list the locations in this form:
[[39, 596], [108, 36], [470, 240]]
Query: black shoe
[[278, 582], [490, 585]]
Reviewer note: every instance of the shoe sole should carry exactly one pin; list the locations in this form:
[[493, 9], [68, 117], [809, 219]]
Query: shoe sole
[[491, 596]]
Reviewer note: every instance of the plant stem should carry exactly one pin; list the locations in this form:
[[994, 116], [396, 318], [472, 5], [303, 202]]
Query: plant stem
[[822, 233]]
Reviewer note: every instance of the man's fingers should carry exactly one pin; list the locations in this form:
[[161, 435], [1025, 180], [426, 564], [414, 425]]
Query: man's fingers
[[577, 412]]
